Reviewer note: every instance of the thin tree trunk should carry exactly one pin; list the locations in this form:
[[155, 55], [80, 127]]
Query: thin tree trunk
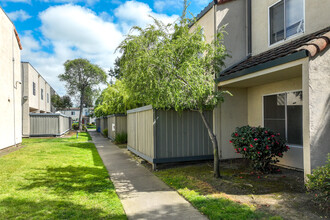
[[80, 111], [216, 167]]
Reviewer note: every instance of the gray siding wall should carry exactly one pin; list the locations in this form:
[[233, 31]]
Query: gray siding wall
[[182, 134], [49, 124], [103, 123], [168, 136]]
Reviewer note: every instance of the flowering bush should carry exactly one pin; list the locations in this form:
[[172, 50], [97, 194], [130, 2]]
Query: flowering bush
[[260, 145], [319, 184]]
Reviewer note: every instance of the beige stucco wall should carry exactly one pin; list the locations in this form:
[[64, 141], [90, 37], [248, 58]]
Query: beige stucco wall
[[233, 15], [26, 99], [230, 114], [47, 101], [317, 17], [256, 93], [33, 77], [319, 109], [207, 23], [10, 97], [42, 102]]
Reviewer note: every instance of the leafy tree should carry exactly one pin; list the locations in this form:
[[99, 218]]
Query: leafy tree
[[114, 100], [66, 101], [81, 77], [172, 66], [61, 102], [114, 72]]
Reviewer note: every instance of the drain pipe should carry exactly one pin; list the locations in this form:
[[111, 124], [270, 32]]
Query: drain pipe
[[249, 31]]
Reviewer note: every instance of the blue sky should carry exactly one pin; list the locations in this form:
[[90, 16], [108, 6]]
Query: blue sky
[[53, 31]]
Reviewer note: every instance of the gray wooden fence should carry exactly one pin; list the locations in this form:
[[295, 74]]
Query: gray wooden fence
[[103, 123], [42, 124], [117, 124], [161, 136]]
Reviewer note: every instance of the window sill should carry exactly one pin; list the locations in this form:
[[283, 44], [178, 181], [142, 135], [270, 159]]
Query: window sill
[[285, 40]]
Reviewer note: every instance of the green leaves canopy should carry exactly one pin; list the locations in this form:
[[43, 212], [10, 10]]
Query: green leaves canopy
[[80, 76], [114, 100], [172, 66]]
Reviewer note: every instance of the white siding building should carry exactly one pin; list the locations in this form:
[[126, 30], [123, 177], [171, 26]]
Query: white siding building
[[10, 84]]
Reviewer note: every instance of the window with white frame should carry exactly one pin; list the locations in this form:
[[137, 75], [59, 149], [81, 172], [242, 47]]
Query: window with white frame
[[286, 18], [73, 113], [42, 94], [283, 114]]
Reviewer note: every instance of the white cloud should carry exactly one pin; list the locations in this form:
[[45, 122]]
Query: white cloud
[[20, 15], [137, 13], [88, 2], [71, 31], [17, 1]]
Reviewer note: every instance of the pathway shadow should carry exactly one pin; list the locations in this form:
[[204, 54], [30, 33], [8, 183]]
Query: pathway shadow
[[11, 208]]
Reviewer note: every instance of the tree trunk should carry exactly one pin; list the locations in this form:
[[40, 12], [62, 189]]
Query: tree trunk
[[216, 168], [80, 111]]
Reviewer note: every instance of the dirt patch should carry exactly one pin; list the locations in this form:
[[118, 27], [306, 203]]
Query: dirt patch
[[69, 134], [8, 150]]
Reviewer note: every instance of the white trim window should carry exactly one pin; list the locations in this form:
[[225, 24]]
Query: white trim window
[[286, 19], [283, 114]]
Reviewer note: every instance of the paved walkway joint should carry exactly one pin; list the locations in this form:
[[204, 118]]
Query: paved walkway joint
[[143, 195]]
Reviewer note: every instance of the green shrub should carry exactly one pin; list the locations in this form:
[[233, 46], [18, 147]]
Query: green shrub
[[260, 145], [121, 138], [105, 132], [318, 183], [75, 126]]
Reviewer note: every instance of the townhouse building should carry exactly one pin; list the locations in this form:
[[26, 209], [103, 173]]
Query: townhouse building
[[36, 95], [278, 73], [10, 84]]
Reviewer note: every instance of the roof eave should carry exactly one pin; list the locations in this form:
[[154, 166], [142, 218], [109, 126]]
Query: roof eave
[[276, 62]]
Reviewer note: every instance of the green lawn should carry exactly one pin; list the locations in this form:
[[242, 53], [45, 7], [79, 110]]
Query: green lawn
[[57, 178], [190, 183]]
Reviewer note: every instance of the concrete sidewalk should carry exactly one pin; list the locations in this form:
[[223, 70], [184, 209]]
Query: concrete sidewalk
[[142, 194]]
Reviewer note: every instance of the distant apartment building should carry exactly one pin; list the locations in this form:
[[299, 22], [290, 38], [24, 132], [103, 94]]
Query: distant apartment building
[[10, 84], [36, 95], [74, 114]]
